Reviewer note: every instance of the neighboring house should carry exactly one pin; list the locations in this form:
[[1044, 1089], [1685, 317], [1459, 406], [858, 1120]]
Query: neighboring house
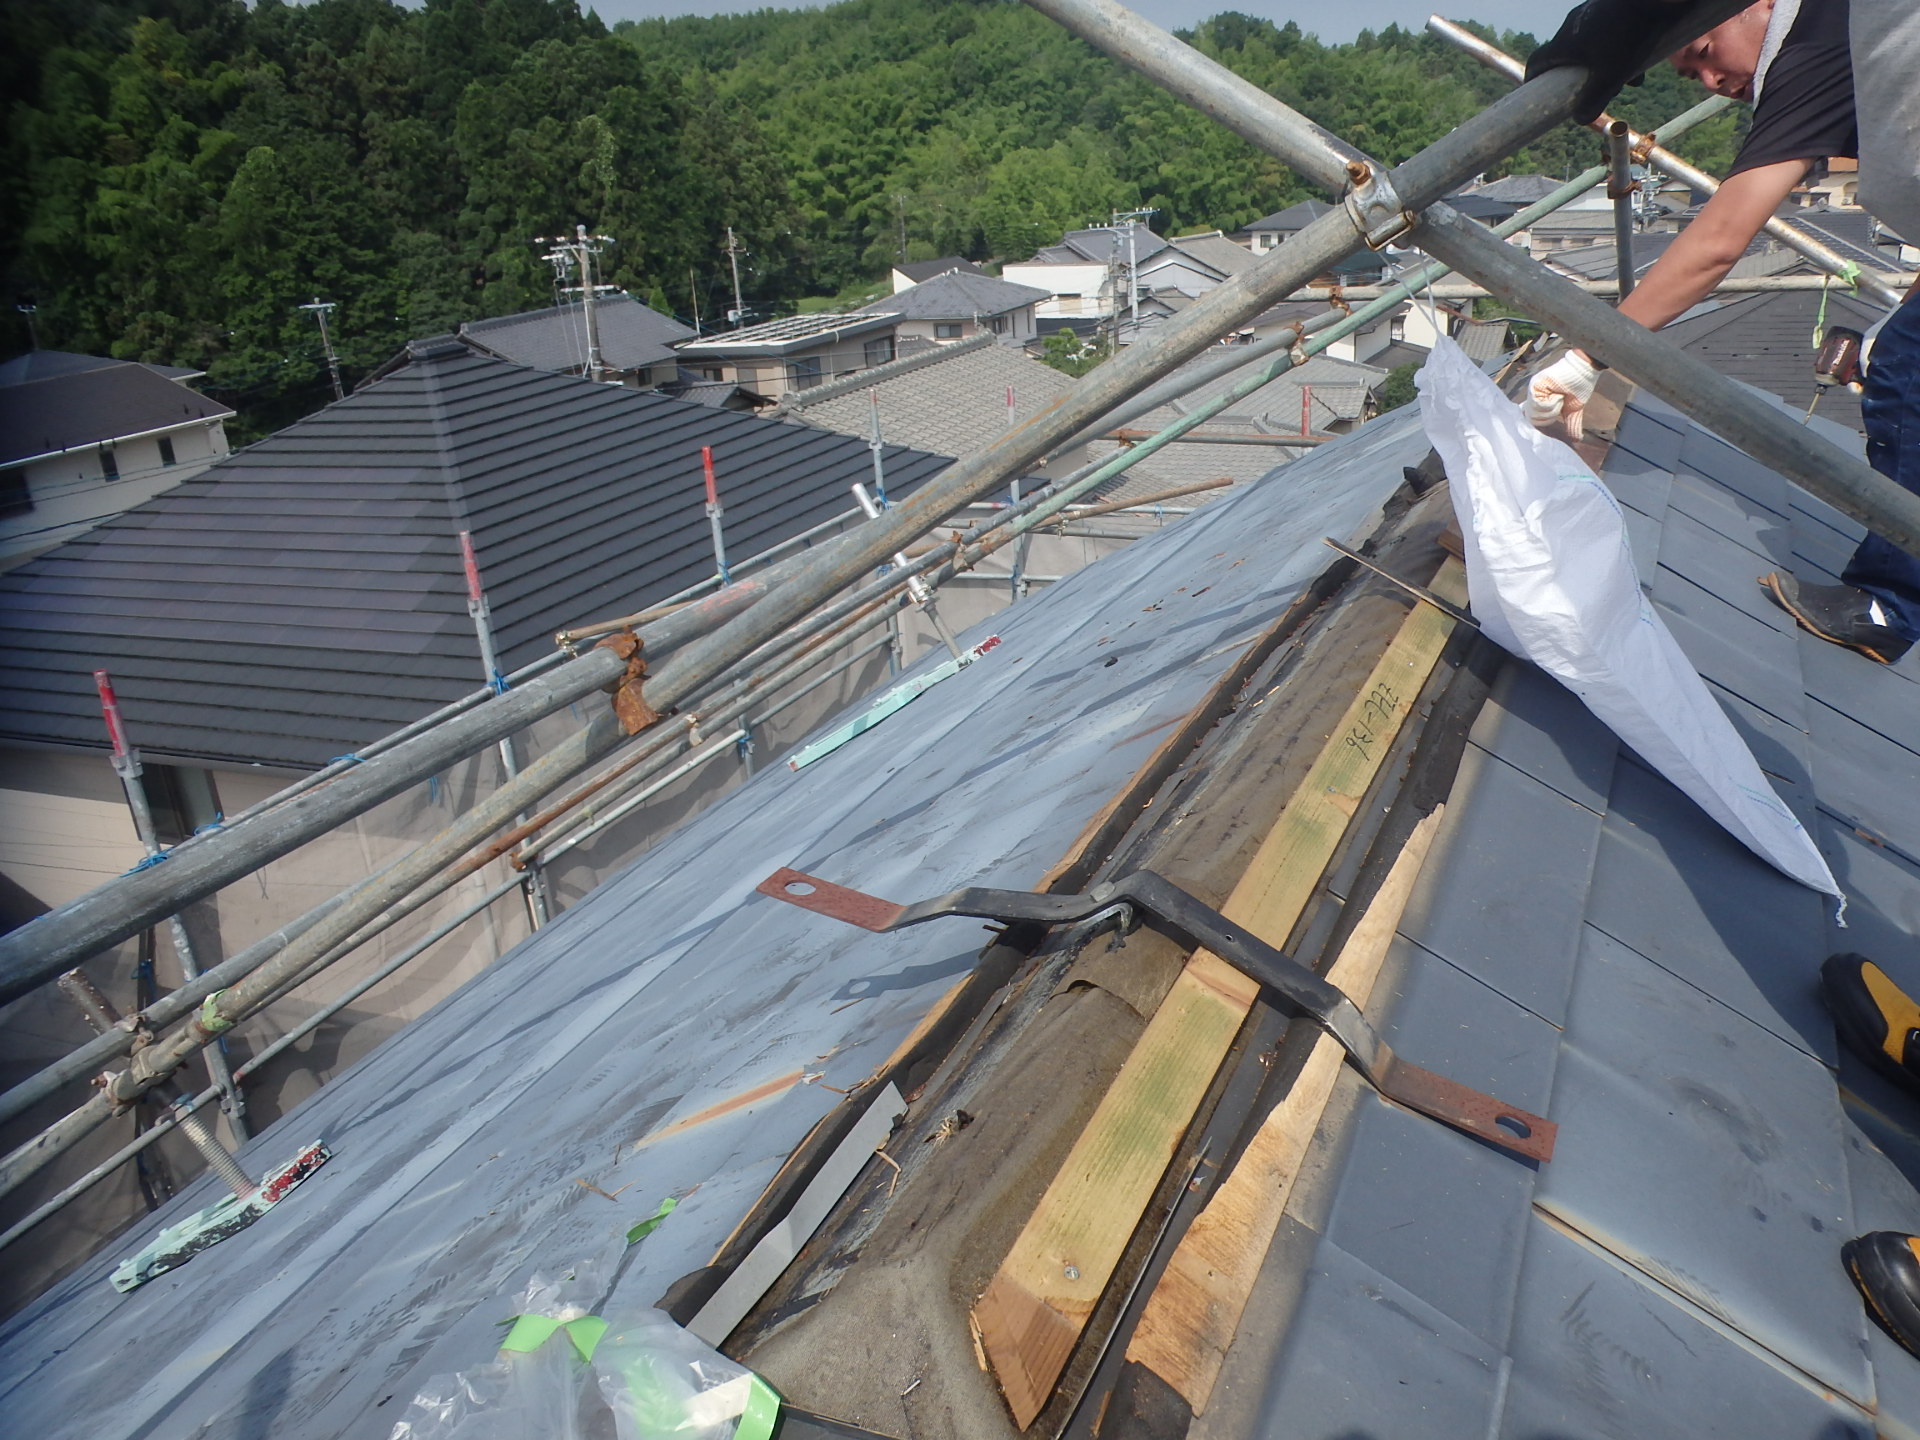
[[1568, 227], [1406, 322], [305, 596], [1766, 340], [1272, 231], [1216, 249], [781, 356], [1074, 288], [918, 272], [1600, 261], [636, 341], [956, 305], [83, 438]]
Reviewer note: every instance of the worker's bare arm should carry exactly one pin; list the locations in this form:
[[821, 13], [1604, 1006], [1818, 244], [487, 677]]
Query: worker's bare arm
[[1706, 250]]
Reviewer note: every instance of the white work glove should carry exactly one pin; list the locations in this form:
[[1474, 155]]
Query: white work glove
[[1559, 393]]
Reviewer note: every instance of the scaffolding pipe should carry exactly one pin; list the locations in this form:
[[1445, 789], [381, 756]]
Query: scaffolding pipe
[[182, 1111], [1285, 442], [1827, 258], [57, 941], [1042, 509], [126, 764], [1700, 393], [1505, 126], [1732, 285], [1620, 188]]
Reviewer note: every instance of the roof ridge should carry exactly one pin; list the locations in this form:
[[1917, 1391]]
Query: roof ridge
[[861, 379]]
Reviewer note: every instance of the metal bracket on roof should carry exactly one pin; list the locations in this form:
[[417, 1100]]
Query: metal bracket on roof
[[1170, 909], [629, 704], [1375, 206]]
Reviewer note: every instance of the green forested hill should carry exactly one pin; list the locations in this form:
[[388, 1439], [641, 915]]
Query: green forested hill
[[180, 174]]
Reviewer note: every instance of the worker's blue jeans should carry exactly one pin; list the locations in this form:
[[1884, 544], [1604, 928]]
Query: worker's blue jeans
[[1891, 410]]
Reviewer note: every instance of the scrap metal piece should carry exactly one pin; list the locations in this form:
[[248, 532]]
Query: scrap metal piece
[[1419, 592], [203, 1229], [1179, 914], [629, 703]]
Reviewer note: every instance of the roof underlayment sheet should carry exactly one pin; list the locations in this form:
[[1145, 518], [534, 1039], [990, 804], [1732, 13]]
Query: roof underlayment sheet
[[674, 992], [1582, 943]]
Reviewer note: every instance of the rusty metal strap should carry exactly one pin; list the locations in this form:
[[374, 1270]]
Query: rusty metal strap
[[629, 703]]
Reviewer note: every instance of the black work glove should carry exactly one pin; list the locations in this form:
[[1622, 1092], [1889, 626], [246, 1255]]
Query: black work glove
[[1616, 40]]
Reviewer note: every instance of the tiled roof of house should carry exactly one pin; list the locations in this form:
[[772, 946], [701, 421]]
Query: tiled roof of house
[[632, 336], [921, 271], [789, 333], [305, 595], [1767, 341], [956, 296], [45, 364], [82, 406], [1294, 217]]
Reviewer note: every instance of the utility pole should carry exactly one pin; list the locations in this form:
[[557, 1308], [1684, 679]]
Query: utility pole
[[33, 330], [1133, 219], [320, 310], [575, 254], [735, 250], [693, 293]]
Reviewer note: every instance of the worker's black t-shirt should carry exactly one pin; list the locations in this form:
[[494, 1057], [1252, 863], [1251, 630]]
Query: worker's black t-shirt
[[1806, 100]]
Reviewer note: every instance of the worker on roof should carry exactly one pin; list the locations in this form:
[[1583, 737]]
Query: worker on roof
[[1801, 64]]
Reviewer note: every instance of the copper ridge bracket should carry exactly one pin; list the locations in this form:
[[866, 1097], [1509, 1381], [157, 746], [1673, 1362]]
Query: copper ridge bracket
[[1520, 1132], [629, 703]]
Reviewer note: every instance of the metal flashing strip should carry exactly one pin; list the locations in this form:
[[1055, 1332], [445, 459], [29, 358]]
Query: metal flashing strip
[[1172, 909]]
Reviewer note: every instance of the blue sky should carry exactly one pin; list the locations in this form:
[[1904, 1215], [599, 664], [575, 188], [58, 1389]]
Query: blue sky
[[1329, 22]]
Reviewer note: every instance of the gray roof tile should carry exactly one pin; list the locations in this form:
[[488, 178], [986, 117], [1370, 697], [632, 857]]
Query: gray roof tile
[[632, 336], [84, 407], [307, 590]]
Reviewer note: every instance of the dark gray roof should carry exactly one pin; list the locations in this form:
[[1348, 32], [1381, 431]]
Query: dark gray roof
[[1294, 217], [1767, 341], [1585, 941], [958, 296], [1853, 233], [1489, 209], [44, 364], [1600, 262], [632, 336], [84, 406], [304, 595], [921, 271], [1098, 245], [1519, 190]]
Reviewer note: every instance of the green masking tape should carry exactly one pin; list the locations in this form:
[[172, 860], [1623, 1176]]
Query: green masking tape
[[211, 1020], [652, 1223], [530, 1332], [763, 1408]]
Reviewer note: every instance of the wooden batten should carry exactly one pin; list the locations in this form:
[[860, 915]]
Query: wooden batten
[[1033, 1311], [1191, 1317]]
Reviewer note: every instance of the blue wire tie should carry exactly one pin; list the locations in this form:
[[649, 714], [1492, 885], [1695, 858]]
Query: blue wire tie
[[349, 756], [499, 683], [148, 863]]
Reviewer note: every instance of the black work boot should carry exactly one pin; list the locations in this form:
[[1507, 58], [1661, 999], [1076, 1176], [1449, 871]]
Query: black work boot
[[1885, 1266], [1838, 613], [1875, 1018]]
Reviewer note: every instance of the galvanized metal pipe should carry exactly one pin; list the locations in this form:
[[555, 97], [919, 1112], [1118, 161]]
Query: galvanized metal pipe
[[1732, 285], [44, 947], [1620, 189], [1696, 391], [1505, 126], [1825, 256], [183, 1111]]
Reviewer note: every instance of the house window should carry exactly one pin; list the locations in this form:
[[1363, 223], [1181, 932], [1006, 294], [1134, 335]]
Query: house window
[[109, 463], [946, 330], [999, 324], [879, 352], [181, 798], [166, 450], [805, 373], [15, 498]]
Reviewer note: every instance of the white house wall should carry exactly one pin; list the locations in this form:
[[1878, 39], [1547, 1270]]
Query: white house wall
[[71, 493]]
